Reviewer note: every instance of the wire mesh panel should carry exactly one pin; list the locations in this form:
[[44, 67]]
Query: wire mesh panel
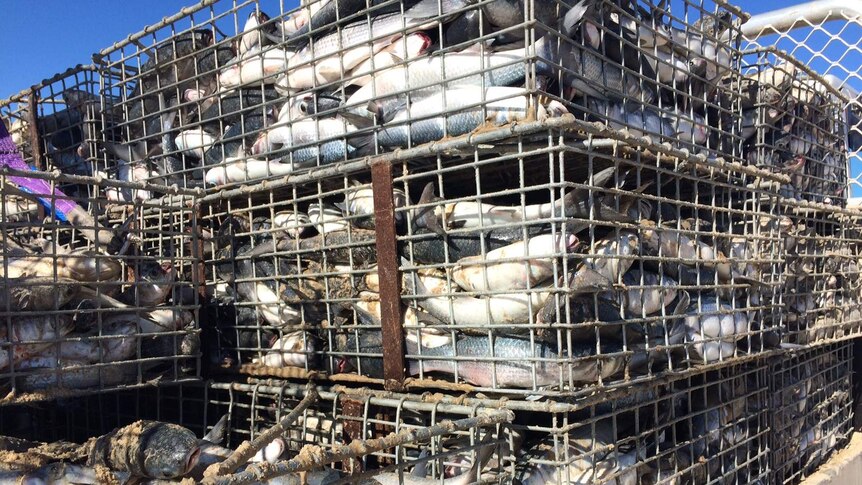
[[229, 93], [701, 429], [824, 37], [793, 123], [603, 265], [812, 410], [98, 292]]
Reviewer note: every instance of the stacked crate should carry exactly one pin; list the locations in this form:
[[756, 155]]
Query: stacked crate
[[592, 257], [100, 292]]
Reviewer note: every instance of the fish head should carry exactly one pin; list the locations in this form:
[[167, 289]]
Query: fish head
[[168, 450]]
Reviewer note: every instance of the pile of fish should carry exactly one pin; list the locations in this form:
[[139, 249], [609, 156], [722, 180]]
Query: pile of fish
[[794, 125], [325, 84], [144, 452], [812, 406], [64, 312], [561, 312]]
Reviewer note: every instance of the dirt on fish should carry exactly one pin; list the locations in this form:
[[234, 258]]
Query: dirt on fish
[[281, 372], [42, 455]]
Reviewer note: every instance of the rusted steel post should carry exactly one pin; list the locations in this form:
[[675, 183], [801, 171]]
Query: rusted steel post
[[35, 138], [389, 276]]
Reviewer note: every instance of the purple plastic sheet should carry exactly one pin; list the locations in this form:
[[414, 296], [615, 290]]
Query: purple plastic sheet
[[54, 200]]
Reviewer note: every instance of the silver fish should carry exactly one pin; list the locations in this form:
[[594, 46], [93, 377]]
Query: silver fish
[[670, 243], [290, 350], [326, 218], [503, 105], [292, 224], [326, 132], [80, 265], [46, 373], [27, 336], [525, 264], [480, 313], [359, 203], [609, 259], [194, 142], [241, 169], [330, 57]]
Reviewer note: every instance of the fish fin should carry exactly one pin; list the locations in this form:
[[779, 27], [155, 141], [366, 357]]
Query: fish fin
[[601, 178], [421, 468], [575, 15], [426, 217], [745, 279], [217, 433], [484, 454], [341, 206]]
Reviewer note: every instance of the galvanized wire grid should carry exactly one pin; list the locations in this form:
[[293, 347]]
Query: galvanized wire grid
[[225, 88], [812, 409], [108, 299], [708, 428], [826, 38], [793, 123]]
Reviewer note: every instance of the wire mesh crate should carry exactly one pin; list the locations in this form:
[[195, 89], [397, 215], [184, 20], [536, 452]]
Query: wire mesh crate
[[98, 293], [698, 429], [812, 410], [324, 261], [222, 94], [57, 123], [794, 123]]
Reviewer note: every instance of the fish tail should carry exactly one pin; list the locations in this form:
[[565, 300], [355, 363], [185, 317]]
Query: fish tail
[[426, 217]]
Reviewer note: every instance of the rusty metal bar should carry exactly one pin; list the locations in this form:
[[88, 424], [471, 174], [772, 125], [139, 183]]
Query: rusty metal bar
[[314, 456], [389, 275], [246, 450]]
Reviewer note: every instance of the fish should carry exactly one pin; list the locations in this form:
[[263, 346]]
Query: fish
[[47, 373], [527, 263], [259, 67], [655, 293], [477, 315], [152, 286], [407, 47], [712, 335], [323, 135], [36, 293], [240, 134], [514, 358], [194, 142], [633, 118], [62, 473], [355, 247], [320, 15], [593, 456], [470, 476], [427, 247], [265, 294], [81, 265], [231, 106], [242, 169], [290, 350], [29, 335], [330, 57], [291, 224], [606, 263], [671, 243], [253, 33], [18, 209], [327, 218], [470, 214], [359, 206], [149, 449]]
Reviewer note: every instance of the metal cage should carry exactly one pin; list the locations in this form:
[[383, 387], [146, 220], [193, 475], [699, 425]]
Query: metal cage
[[812, 409], [98, 293], [700, 429]]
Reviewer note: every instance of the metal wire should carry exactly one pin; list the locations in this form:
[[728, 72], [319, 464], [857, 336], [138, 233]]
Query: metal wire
[[812, 409], [84, 314]]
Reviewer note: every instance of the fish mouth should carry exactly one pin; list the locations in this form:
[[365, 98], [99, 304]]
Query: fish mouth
[[192, 459]]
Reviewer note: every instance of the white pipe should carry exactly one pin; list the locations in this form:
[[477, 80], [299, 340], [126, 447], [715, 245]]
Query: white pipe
[[811, 13]]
